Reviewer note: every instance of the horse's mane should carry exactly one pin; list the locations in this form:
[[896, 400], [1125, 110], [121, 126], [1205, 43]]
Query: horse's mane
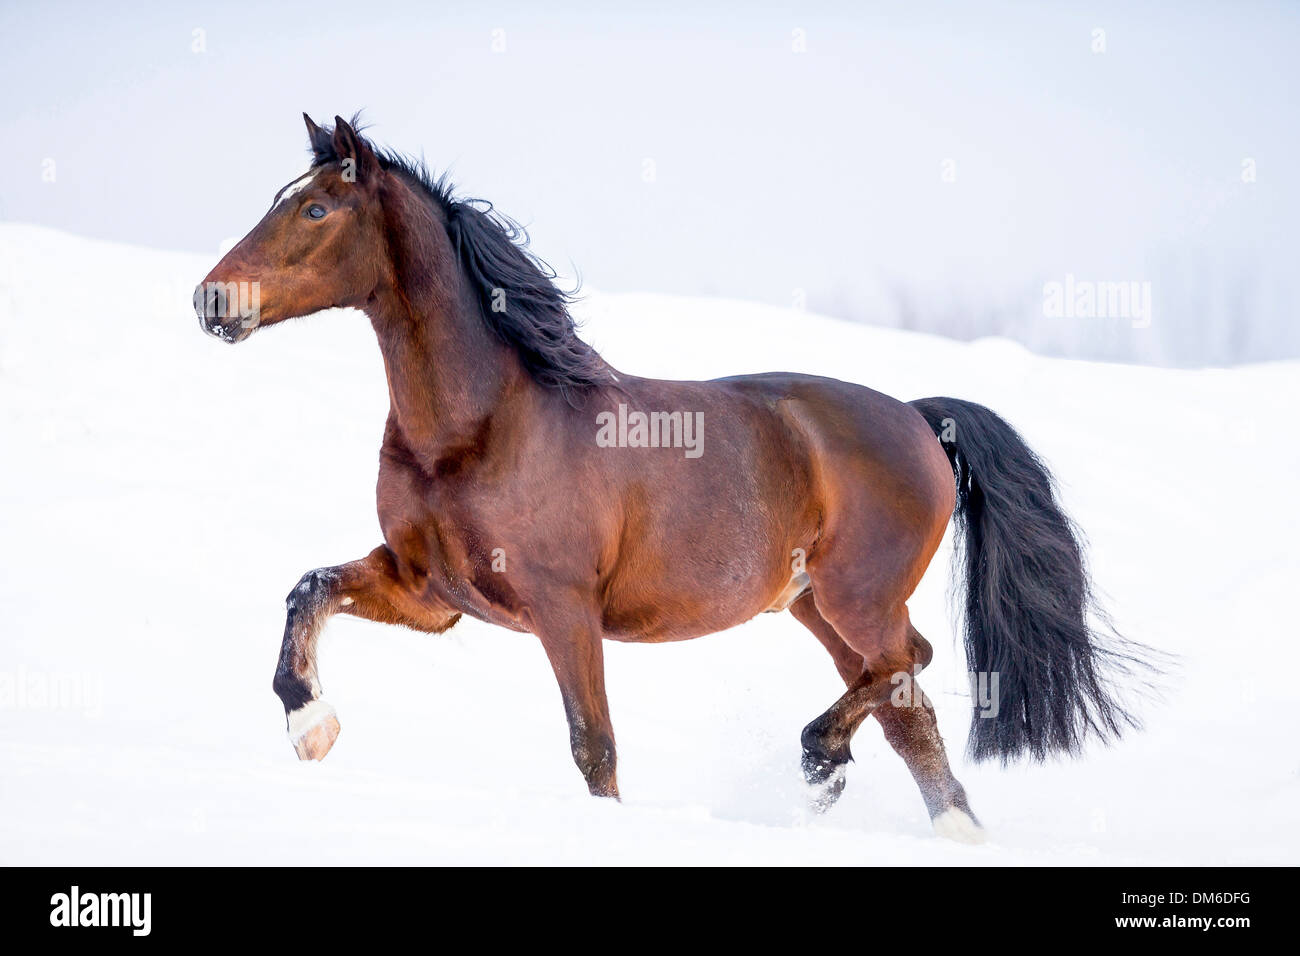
[[492, 249]]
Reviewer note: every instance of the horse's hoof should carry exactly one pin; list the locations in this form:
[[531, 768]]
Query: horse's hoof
[[313, 728], [824, 792], [958, 825]]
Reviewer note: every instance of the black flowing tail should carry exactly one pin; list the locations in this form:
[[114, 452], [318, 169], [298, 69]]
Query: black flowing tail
[[1033, 635]]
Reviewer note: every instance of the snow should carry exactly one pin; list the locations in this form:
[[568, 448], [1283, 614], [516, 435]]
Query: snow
[[163, 491]]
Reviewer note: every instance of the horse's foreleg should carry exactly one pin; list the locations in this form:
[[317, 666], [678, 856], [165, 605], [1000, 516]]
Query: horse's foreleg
[[370, 588], [573, 646]]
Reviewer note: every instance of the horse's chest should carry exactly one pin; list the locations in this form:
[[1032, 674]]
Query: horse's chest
[[448, 540]]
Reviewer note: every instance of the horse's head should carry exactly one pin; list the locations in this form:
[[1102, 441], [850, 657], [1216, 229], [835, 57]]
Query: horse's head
[[316, 248]]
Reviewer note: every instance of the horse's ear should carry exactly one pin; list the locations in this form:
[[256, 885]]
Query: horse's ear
[[321, 147], [349, 146]]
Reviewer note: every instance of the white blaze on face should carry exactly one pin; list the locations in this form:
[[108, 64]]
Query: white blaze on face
[[294, 188]]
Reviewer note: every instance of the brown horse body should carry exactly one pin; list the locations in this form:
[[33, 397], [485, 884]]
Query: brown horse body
[[496, 499]]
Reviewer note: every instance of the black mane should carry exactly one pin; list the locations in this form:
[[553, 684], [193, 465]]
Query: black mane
[[531, 313]]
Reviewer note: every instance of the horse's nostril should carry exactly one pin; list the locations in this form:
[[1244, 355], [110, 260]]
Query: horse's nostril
[[211, 304], [210, 301]]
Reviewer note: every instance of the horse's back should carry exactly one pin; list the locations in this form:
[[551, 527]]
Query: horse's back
[[878, 439]]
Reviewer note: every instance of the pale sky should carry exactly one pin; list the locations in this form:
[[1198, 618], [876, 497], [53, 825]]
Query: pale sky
[[906, 163]]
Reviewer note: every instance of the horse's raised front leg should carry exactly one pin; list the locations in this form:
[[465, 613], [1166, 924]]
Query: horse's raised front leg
[[370, 588], [573, 646]]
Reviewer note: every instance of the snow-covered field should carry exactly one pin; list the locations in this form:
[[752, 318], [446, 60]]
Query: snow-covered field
[[162, 492]]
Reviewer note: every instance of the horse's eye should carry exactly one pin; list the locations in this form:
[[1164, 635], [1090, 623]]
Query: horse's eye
[[314, 211]]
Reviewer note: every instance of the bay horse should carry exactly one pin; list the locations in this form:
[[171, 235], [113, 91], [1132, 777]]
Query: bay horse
[[519, 484]]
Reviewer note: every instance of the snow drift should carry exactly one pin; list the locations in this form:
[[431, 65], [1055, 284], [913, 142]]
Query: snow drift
[[162, 493]]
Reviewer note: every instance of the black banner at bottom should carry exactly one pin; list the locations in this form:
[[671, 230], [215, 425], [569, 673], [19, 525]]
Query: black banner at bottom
[[690, 907]]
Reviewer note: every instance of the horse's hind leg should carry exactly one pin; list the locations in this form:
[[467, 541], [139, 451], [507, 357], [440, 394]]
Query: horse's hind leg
[[847, 661], [370, 588], [826, 740], [912, 730], [905, 715]]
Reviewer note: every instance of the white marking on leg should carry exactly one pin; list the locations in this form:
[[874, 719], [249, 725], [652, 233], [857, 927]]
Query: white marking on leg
[[294, 188], [308, 716], [955, 824]]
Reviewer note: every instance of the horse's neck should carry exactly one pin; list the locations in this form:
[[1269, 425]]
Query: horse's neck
[[449, 377]]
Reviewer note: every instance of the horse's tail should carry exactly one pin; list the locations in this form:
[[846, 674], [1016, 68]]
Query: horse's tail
[[1028, 601]]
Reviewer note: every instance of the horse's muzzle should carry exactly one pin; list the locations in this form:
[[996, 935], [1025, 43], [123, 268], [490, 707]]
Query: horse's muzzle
[[218, 309]]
